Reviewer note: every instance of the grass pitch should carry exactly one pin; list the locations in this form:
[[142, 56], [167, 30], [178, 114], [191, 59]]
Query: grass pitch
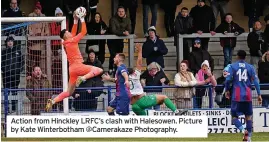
[[211, 137]]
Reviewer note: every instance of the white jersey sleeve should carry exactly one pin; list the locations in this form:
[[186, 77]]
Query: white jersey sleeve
[[135, 85]]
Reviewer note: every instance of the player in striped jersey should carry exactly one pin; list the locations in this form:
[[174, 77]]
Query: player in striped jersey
[[242, 75], [139, 100]]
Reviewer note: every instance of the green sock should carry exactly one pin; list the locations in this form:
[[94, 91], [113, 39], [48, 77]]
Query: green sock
[[170, 104]]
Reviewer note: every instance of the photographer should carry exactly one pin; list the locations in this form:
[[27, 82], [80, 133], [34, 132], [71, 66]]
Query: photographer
[[256, 44]]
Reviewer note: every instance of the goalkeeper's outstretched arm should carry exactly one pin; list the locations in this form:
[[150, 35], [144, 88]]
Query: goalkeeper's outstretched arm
[[83, 31]]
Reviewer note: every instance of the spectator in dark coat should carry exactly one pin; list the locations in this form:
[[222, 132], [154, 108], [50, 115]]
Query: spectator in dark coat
[[263, 74], [203, 21], [48, 6], [183, 25], [253, 9], [88, 100], [228, 44], [154, 48], [13, 10], [198, 56], [169, 14], [91, 6], [219, 6], [154, 76], [11, 66], [256, 44], [97, 27], [223, 102], [130, 5], [119, 25], [153, 6]]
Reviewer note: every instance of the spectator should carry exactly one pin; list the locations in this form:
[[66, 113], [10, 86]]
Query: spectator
[[132, 6], [228, 44], [152, 4], [37, 11], [184, 78], [97, 27], [169, 14], [154, 76], [263, 73], [55, 29], [119, 25], [256, 44], [219, 6], [11, 67], [91, 9], [197, 56], [220, 97], [36, 49], [183, 25], [13, 11], [203, 21], [154, 48], [88, 101], [203, 75], [49, 6], [253, 9], [38, 99], [70, 7]]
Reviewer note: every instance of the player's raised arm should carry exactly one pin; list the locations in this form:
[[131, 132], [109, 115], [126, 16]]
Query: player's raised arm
[[75, 25], [139, 61], [83, 31]]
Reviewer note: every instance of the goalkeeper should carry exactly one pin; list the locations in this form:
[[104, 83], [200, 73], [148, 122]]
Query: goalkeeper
[[78, 72], [139, 100]]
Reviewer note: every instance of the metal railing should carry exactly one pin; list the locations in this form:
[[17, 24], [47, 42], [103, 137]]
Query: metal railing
[[204, 35]]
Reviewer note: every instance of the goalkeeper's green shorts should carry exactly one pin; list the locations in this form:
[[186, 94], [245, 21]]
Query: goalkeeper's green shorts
[[146, 101]]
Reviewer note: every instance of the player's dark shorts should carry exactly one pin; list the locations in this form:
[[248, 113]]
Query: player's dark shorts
[[121, 104], [241, 107]]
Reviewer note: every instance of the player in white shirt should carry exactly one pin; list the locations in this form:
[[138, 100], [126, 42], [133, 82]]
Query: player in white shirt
[[140, 101]]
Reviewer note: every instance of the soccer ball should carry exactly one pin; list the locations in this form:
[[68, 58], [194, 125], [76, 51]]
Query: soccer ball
[[81, 12]]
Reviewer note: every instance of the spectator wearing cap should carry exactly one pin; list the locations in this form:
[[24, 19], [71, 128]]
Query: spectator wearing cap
[[37, 11], [55, 29], [220, 98], [228, 44], [256, 44], [263, 74], [203, 21], [169, 14], [154, 48], [184, 78], [153, 6], [11, 66], [183, 25], [36, 49], [253, 9], [88, 100], [198, 56], [97, 27], [205, 76], [13, 10], [119, 25], [219, 7]]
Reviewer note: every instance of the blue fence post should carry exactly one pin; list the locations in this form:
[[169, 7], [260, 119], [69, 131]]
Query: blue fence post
[[210, 97], [109, 94], [6, 92]]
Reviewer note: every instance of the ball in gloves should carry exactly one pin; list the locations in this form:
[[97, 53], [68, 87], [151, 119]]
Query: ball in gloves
[[81, 12]]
